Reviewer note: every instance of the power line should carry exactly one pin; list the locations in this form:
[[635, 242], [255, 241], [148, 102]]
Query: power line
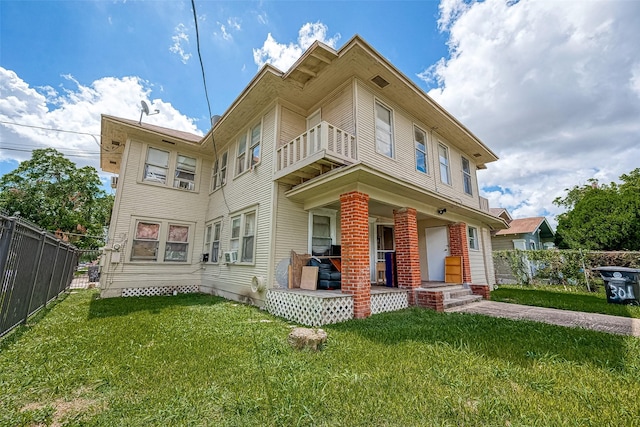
[[26, 150], [204, 80], [52, 129]]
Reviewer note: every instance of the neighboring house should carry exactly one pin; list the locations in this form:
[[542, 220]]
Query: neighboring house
[[523, 233], [340, 155]]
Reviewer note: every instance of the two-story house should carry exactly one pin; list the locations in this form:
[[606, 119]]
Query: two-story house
[[340, 156]]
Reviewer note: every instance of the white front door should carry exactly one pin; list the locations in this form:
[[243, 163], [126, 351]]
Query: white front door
[[437, 249]]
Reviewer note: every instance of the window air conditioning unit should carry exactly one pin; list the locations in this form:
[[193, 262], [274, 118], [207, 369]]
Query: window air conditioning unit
[[231, 257], [114, 181]]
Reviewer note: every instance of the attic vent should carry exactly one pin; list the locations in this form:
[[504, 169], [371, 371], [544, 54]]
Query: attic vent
[[116, 143], [113, 162], [380, 81], [477, 155], [169, 142]]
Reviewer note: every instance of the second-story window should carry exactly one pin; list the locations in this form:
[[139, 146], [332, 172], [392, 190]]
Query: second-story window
[[466, 176], [185, 173], [241, 159], [254, 149], [384, 130], [219, 172], [443, 156], [157, 165], [420, 139]]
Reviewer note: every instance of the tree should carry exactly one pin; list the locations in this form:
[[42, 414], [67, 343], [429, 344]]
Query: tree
[[601, 217], [52, 192]]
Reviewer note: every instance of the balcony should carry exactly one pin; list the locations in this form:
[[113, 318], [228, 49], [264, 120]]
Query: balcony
[[317, 151], [484, 204]]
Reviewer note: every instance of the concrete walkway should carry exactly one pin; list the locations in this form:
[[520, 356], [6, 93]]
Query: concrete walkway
[[597, 322]]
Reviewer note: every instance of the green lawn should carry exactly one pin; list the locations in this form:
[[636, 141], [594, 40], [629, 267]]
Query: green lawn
[[195, 360], [565, 298]]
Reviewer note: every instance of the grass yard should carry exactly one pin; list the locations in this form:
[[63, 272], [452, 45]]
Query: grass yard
[[564, 298], [196, 360]]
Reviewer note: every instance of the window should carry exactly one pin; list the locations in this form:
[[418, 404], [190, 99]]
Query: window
[[248, 238], [256, 134], [473, 238], [243, 233], [234, 244], [215, 244], [241, 159], [145, 242], [185, 173], [177, 243], [384, 130], [466, 176], [421, 150], [155, 169], [148, 241], [219, 172], [443, 156], [249, 149], [321, 235]]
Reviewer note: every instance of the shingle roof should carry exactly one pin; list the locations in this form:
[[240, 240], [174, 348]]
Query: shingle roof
[[522, 225], [160, 129]]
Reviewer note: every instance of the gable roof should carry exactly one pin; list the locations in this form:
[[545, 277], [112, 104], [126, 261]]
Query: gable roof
[[528, 225], [501, 213]]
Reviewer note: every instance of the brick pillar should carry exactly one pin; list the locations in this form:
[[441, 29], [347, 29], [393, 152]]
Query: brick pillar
[[458, 246], [407, 256], [354, 222]]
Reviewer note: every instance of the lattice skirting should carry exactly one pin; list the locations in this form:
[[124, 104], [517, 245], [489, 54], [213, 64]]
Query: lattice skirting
[[309, 310], [160, 290], [381, 303]]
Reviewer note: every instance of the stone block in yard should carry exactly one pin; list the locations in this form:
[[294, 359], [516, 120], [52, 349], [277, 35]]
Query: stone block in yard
[[301, 338]]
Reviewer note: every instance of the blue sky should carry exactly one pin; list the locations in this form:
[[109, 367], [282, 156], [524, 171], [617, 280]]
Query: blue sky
[[553, 87]]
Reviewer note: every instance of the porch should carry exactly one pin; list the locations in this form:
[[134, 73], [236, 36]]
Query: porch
[[323, 307]]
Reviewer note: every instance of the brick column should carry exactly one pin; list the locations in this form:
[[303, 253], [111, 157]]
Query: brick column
[[354, 222], [458, 246], [407, 255]]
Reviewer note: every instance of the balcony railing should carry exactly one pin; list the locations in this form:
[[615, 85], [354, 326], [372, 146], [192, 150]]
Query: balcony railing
[[324, 145], [484, 204]]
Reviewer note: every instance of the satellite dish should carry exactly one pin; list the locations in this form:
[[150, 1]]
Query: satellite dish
[[145, 111]]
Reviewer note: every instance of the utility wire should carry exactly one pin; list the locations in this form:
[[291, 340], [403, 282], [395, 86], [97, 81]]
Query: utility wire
[[53, 129]]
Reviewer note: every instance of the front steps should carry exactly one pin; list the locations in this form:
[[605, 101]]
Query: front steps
[[444, 297]]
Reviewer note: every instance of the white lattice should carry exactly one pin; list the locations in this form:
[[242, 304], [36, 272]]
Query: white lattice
[[308, 309], [393, 301], [160, 290]]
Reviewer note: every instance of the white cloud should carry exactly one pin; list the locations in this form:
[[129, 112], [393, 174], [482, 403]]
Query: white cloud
[[283, 56], [551, 87], [180, 39], [232, 25], [76, 109]]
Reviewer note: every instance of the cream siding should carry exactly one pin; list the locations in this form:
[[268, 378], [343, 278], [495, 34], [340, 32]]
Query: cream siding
[[403, 164], [488, 257], [140, 200], [337, 108], [244, 193], [502, 243]]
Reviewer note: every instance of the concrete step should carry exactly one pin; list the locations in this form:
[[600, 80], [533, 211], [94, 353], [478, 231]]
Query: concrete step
[[461, 300]]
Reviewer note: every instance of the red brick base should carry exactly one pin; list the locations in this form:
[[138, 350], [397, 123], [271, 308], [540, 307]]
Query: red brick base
[[429, 299], [482, 290]]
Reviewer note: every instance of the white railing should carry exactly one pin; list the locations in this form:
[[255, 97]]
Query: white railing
[[335, 142]]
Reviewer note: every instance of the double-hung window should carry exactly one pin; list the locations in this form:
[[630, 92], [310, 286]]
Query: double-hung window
[[466, 176], [241, 158], [219, 172], [473, 238], [157, 165], [146, 241], [384, 130], [254, 149], [420, 139], [249, 149], [185, 173], [177, 243], [212, 242], [243, 236], [443, 156], [215, 243]]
